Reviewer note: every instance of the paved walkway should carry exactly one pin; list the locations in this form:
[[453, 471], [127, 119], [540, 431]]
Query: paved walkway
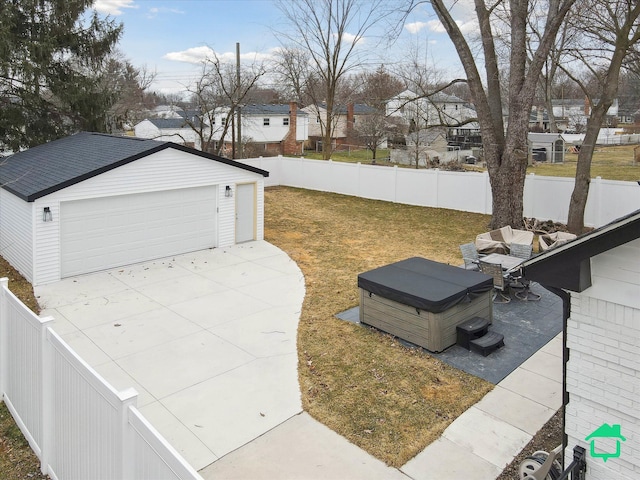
[[209, 341]]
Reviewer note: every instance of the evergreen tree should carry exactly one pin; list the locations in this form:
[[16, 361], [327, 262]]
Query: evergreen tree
[[50, 53]]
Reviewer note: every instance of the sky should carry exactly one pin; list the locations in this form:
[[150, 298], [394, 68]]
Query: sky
[[171, 37]]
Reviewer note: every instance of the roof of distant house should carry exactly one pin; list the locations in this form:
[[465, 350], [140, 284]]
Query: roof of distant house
[[173, 123], [358, 109], [269, 109], [50, 167]]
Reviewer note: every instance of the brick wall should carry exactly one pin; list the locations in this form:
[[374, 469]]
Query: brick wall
[[603, 381]]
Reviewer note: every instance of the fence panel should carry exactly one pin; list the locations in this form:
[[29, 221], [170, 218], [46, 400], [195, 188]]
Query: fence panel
[[87, 426], [416, 187], [154, 458], [22, 365], [77, 424], [545, 198]]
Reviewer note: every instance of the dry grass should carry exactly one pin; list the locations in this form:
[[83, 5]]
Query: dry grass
[[20, 287], [17, 460], [389, 400], [610, 163]]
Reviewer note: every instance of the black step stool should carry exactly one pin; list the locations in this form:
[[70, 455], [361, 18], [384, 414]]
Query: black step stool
[[470, 329], [487, 343]]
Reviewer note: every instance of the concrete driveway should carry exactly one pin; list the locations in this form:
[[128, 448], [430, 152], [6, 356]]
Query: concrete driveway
[[208, 339]]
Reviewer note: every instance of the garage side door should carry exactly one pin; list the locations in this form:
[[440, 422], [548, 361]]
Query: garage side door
[[101, 233]]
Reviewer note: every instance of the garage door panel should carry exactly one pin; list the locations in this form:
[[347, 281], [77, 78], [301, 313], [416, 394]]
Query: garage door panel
[[111, 231]]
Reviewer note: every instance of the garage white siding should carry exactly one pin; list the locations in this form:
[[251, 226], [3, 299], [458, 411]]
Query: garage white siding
[[16, 233], [101, 233], [169, 169]]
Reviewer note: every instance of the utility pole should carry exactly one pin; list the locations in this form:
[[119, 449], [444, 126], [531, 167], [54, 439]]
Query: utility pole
[[239, 121]]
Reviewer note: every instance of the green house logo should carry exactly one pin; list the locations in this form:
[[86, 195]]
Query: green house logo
[[608, 433]]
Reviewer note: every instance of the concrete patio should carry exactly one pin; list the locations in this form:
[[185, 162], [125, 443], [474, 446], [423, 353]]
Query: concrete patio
[[208, 340]]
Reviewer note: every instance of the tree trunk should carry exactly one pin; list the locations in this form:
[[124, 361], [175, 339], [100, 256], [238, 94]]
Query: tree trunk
[[578, 202], [507, 187]]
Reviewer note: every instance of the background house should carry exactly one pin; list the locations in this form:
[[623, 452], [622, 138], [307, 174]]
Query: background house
[[439, 109], [91, 201], [174, 130], [598, 276], [345, 117], [574, 113], [269, 129]]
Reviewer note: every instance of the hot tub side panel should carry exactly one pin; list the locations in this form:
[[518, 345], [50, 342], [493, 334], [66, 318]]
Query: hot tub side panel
[[433, 331]]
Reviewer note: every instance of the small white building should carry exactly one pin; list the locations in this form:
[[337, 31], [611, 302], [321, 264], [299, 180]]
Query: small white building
[[598, 277], [546, 147], [175, 130], [90, 202]]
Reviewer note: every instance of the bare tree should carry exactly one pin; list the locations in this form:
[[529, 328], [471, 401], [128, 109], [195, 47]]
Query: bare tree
[[291, 67], [330, 31], [607, 39], [505, 151], [218, 94]]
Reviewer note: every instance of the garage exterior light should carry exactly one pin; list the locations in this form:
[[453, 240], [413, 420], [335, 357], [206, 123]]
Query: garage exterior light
[[46, 215], [227, 191]]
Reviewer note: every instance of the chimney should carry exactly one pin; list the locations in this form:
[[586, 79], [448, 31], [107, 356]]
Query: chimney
[[350, 117], [290, 143]]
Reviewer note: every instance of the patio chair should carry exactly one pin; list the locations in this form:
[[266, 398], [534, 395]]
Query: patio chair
[[500, 285], [521, 250], [517, 282], [470, 256]]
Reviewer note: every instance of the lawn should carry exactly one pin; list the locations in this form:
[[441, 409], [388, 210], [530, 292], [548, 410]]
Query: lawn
[[609, 162], [389, 400]]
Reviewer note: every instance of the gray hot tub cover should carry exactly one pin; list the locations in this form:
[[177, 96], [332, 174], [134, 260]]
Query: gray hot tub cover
[[425, 284]]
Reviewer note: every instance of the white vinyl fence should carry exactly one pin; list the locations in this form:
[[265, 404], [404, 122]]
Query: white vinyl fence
[[545, 198], [76, 423]]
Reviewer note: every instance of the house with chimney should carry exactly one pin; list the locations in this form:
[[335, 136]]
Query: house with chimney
[[268, 129], [345, 118]]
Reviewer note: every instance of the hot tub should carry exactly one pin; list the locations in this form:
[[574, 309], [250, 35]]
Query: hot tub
[[422, 301]]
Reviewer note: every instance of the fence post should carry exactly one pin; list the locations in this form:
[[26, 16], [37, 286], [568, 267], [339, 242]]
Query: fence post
[[488, 199], [597, 200], [46, 402], [395, 183], [529, 198], [128, 398], [4, 286]]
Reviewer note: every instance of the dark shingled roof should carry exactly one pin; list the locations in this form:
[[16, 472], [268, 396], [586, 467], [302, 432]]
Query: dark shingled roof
[[50, 167]]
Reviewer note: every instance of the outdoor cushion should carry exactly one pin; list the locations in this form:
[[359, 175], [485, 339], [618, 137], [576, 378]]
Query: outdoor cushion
[[554, 239], [425, 284], [499, 241]]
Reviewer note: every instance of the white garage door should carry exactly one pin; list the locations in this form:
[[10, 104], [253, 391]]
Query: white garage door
[[107, 232]]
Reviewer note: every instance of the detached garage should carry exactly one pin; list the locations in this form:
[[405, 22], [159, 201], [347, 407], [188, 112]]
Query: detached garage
[[91, 201]]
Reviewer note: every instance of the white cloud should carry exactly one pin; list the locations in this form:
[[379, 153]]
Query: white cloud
[[113, 7], [154, 11], [191, 55], [199, 54], [415, 27]]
